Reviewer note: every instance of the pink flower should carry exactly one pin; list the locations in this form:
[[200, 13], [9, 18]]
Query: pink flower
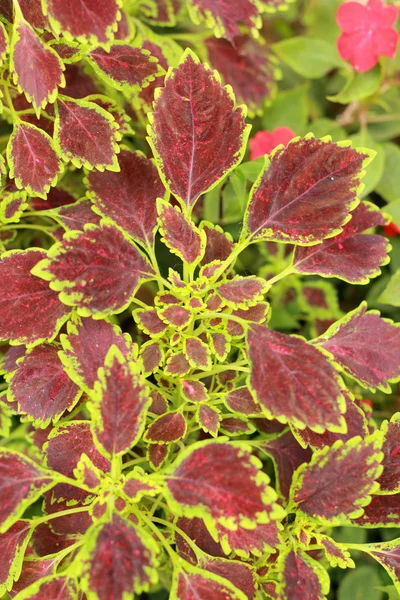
[[367, 33], [265, 141]]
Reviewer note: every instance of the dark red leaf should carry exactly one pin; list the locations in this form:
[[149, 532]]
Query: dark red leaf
[[366, 346], [197, 134], [196, 530], [209, 418], [13, 545], [52, 588], [242, 292], [33, 161], [3, 42], [220, 344], [356, 425], [305, 193], [238, 573], [21, 482], [159, 404], [193, 390], [337, 482], [41, 387], [247, 66], [157, 454], [149, 321], [76, 216], [137, 485], [197, 353], [79, 84], [287, 455], [302, 577], [55, 198], [177, 365], [124, 66], [352, 255], [88, 20], [162, 52], [160, 12], [180, 234], [236, 426], [59, 500], [225, 16], [87, 134], [206, 468], [389, 481], [32, 571], [11, 357], [388, 555], [44, 541], [98, 270], [166, 428], [178, 316], [32, 11], [85, 348], [120, 559], [151, 356], [293, 382], [219, 244], [120, 404], [129, 197], [264, 538], [383, 511], [37, 69], [30, 311], [240, 400]]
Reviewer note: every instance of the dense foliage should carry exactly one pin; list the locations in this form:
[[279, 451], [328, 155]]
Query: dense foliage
[[199, 376]]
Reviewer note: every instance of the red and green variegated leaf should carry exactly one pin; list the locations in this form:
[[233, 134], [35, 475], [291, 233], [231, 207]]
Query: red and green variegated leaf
[[3, 42], [336, 554], [238, 573], [336, 484], [86, 134], [246, 65], [37, 69], [119, 404], [383, 511], [180, 234], [177, 365], [226, 16], [160, 12], [88, 474], [72, 524], [287, 455], [32, 571], [65, 446], [152, 356], [13, 544], [204, 469], [389, 481], [33, 160], [76, 216], [352, 255], [85, 348], [197, 135], [302, 577], [177, 316], [87, 20], [209, 419], [388, 555], [159, 405], [98, 270], [220, 344], [30, 312], [128, 198], [12, 205], [21, 483], [197, 353], [157, 455], [194, 391], [104, 574], [242, 292], [192, 583], [305, 192], [41, 387], [125, 67], [196, 530], [138, 484], [256, 541], [69, 51], [295, 382], [51, 588], [366, 347], [166, 428], [234, 426], [149, 321], [356, 421], [113, 108], [219, 244], [241, 401]]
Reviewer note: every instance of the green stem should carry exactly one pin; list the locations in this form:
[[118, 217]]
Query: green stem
[[131, 463], [221, 369], [215, 315], [198, 552], [11, 108], [63, 513], [288, 271], [29, 226], [142, 517], [228, 264]]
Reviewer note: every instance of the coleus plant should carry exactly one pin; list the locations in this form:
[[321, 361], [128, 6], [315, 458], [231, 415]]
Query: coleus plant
[[159, 431]]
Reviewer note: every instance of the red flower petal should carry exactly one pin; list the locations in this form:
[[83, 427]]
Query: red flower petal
[[265, 141]]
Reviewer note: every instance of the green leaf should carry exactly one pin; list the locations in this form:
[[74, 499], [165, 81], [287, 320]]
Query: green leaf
[[323, 127], [393, 209], [358, 86], [388, 186], [310, 58], [391, 293], [360, 585], [290, 108], [375, 172]]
